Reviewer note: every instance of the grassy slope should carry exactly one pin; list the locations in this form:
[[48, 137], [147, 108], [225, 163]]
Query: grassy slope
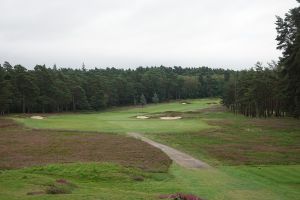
[[239, 182]]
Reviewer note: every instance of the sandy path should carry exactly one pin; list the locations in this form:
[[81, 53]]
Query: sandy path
[[179, 157]]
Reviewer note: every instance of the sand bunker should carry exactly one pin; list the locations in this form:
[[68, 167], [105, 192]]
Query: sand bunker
[[183, 103], [37, 117], [142, 117], [170, 118]]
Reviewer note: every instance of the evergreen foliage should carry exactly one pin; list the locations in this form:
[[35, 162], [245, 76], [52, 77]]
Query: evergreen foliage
[[143, 100], [255, 92], [155, 98], [288, 37], [274, 90], [58, 89]]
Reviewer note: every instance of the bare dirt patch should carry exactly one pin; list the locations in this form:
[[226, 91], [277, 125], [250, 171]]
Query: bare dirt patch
[[22, 147]]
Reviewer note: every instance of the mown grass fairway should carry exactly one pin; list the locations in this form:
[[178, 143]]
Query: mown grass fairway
[[253, 159], [124, 120]]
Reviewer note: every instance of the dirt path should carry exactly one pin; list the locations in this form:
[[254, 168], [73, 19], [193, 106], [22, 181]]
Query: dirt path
[[179, 157]]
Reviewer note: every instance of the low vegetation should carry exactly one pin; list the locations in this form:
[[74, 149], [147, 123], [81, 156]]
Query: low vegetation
[[237, 140], [180, 196], [23, 147]]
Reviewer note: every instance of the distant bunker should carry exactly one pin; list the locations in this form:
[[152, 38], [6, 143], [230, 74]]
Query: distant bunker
[[142, 117], [185, 102], [165, 116], [37, 117], [170, 118]]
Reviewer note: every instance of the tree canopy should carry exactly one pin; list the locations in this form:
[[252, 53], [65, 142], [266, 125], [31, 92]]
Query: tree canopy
[[273, 90], [45, 89]]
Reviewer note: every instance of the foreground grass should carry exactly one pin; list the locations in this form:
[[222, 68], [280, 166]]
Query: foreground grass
[[111, 181]]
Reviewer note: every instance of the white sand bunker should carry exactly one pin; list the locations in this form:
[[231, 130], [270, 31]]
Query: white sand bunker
[[37, 117], [142, 117], [170, 118], [183, 103]]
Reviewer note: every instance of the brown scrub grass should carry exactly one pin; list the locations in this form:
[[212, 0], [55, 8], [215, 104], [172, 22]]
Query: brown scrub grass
[[238, 140], [23, 147], [253, 141]]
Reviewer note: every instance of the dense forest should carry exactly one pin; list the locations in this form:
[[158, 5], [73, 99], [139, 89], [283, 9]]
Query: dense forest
[[60, 89], [273, 90]]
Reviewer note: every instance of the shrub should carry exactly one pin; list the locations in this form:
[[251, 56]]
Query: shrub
[[62, 181], [138, 178], [61, 186], [35, 193], [180, 196], [54, 189]]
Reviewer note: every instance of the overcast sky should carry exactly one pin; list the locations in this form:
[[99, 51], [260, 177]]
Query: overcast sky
[[130, 33]]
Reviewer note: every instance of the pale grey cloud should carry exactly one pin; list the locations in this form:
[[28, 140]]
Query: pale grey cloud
[[131, 33]]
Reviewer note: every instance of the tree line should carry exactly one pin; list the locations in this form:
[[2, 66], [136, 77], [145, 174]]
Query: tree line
[[257, 92], [273, 90], [53, 89]]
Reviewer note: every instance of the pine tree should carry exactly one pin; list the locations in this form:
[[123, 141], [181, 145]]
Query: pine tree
[[288, 30], [155, 98], [143, 100], [5, 92], [79, 99]]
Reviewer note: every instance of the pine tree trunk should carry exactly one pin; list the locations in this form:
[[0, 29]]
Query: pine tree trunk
[[23, 104], [74, 107]]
